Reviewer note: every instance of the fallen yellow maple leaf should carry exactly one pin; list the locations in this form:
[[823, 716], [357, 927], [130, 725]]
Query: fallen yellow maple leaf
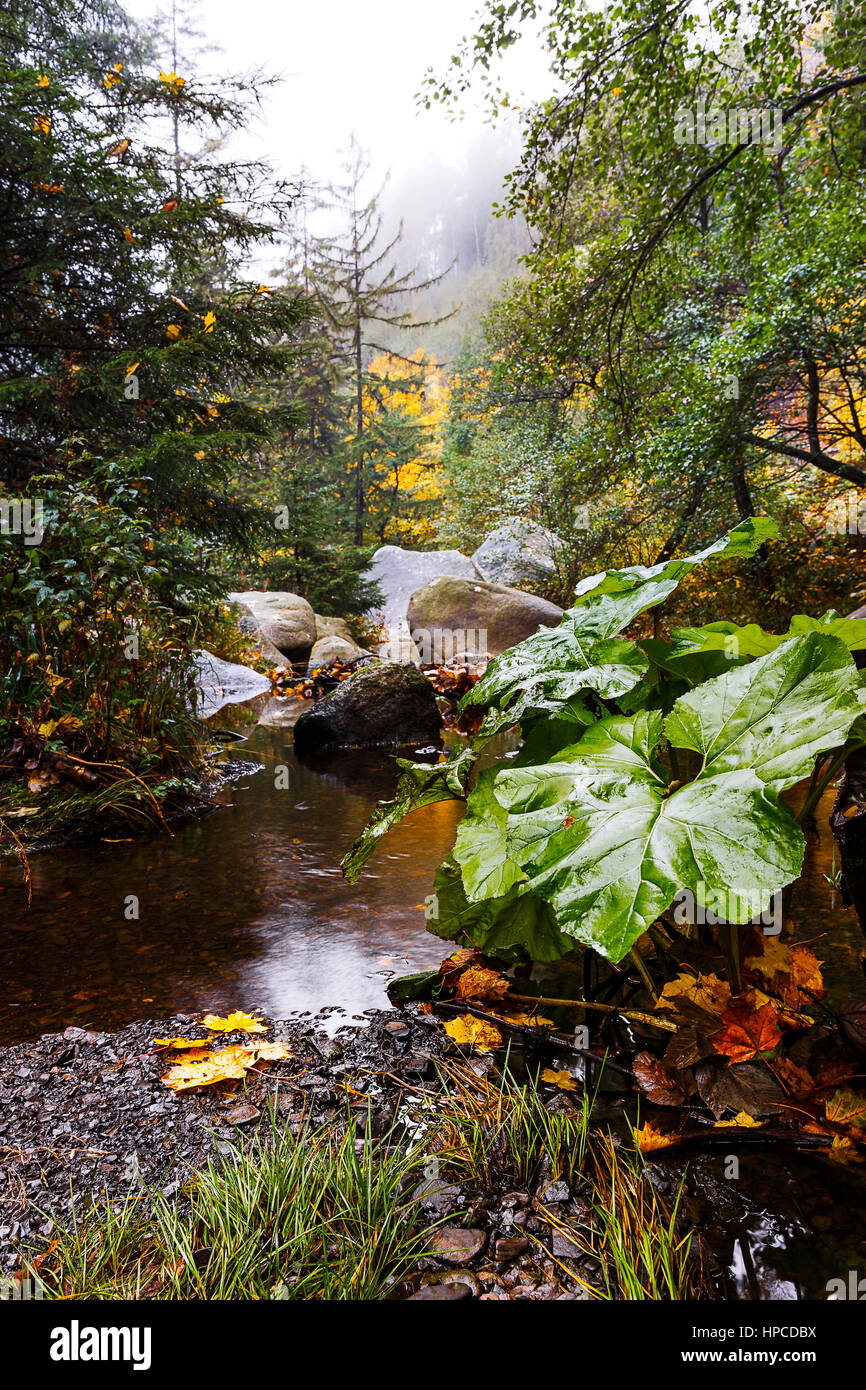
[[843, 1150], [271, 1051], [707, 992], [180, 1044], [475, 1032], [237, 1021], [563, 1079], [648, 1138], [740, 1121], [228, 1064]]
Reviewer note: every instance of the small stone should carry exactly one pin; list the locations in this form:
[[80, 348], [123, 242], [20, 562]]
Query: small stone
[[821, 1222], [555, 1192], [242, 1114], [455, 1245], [397, 1029], [437, 1196], [509, 1247], [441, 1293], [455, 1276], [563, 1247]]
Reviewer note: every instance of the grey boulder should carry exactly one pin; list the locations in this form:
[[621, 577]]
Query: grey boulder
[[328, 649], [381, 705], [517, 552], [449, 616], [220, 683], [286, 620]]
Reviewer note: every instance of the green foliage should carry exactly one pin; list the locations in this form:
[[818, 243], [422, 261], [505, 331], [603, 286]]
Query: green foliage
[[692, 326], [589, 835], [131, 351]]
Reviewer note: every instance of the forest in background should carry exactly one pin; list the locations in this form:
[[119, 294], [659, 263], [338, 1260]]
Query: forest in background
[[656, 332]]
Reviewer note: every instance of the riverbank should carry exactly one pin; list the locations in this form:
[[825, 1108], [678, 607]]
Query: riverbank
[[86, 1115], [499, 1189]]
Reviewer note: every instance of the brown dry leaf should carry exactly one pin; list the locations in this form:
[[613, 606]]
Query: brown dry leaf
[[708, 993], [474, 1032], [741, 1121], [746, 1031], [479, 982], [649, 1138], [852, 1022], [657, 1083], [792, 972], [846, 1107], [796, 1080], [563, 1079], [237, 1021]]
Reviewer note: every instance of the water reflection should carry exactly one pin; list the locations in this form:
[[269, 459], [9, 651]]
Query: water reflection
[[246, 906]]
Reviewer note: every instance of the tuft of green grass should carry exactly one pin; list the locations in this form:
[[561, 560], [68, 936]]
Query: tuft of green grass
[[631, 1234], [290, 1217], [498, 1128]]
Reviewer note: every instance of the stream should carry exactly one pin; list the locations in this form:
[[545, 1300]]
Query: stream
[[246, 907]]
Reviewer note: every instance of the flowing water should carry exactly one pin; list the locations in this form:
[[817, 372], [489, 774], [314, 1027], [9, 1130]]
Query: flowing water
[[246, 907], [243, 908]]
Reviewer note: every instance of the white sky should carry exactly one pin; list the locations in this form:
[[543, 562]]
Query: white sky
[[349, 65]]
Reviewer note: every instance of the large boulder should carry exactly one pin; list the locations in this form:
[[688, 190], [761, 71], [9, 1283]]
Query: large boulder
[[329, 649], [332, 627], [450, 617], [266, 649], [380, 705], [286, 620], [400, 572], [517, 552], [220, 683]]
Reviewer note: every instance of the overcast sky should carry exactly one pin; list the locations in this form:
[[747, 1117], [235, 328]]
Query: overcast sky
[[349, 65]]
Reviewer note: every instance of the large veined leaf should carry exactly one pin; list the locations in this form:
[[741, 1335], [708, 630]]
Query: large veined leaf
[[421, 784], [774, 715], [739, 544], [549, 672], [544, 673], [603, 836], [729, 642], [480, 848], [518, 924]]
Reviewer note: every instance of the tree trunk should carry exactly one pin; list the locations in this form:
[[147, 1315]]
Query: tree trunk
[[760, 564]]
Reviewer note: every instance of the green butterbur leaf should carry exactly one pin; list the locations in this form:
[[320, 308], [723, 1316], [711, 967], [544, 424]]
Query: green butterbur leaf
[[609, 843]]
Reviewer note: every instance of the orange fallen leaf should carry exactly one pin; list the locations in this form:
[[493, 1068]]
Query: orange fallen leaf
[[648, 1138], [747, 1030], [791, 972], [478, 982]]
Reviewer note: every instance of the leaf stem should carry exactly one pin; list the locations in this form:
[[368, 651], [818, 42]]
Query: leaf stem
[[637, 1015]]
